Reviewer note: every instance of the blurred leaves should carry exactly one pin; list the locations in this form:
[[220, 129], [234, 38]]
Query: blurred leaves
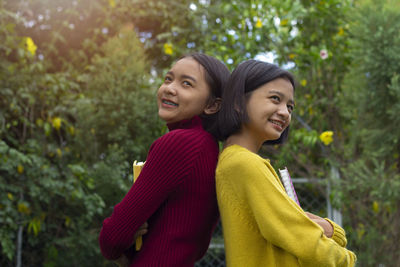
[[77, 105], [70, 130]]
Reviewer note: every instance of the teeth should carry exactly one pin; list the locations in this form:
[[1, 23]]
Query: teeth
[[277, 123], [169, 103]]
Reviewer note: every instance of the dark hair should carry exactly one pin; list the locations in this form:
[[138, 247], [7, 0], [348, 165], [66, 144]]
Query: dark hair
[[216, 76], [247, 77]]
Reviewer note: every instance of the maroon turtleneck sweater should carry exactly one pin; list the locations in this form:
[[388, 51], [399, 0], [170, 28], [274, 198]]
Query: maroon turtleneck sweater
[[175, 194]]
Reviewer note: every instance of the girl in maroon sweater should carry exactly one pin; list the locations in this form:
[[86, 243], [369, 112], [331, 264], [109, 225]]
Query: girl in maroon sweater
[[175, 191]]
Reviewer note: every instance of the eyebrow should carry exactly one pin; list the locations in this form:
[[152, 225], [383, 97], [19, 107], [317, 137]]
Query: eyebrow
[[183, 76], [281, 95]]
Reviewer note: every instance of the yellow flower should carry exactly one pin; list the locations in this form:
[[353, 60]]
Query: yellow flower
[[341, 31], [39, 122], [111, 3], [360, 230], [10, 196], [303, 82], [67, 221], [284, 22], [71, 130], [310, 111], [168, 50], [292, 56], [59, 153], [326, 137], [20, 169], [30, 45], [375, 206], [258, 23], [56, 123], [23, 208]]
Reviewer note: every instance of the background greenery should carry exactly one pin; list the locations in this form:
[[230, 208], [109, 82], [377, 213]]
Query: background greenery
[[77, 106]]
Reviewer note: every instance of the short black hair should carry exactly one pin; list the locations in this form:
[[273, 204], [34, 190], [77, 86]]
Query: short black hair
[[216, 76], [247, 77]]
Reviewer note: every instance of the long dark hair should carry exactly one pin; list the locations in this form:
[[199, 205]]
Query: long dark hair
[[216, 76], [247, 77]]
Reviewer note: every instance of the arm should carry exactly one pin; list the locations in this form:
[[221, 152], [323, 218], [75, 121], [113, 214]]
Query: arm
[[326, 226], [168, 161], [331, 229], [280, 220], [123, 261]]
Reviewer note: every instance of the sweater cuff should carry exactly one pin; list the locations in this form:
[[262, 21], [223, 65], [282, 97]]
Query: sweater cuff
[[339, 235]]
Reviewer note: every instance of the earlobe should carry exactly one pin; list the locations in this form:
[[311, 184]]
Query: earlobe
[[213, 107]]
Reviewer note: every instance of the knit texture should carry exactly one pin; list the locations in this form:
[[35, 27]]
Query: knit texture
[[262, 225], [175, 194], [339, 235]]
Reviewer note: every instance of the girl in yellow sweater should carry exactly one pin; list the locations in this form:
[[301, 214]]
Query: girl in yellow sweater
[[262, 225]]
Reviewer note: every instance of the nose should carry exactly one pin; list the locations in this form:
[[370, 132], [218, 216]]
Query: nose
[[170, 88], [284, 112]]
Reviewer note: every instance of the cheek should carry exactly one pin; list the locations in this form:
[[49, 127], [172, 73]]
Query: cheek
[[289, 120], [159, 92], [205, 96]]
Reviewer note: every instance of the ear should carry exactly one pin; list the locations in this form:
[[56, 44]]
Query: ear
[[213, 107]]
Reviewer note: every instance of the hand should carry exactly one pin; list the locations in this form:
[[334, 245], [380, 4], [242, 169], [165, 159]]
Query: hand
[[328, 228], [141, 231], [122, 261]]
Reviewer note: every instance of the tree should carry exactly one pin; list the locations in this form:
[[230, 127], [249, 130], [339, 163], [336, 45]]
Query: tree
[[371, 167], [68, 139]]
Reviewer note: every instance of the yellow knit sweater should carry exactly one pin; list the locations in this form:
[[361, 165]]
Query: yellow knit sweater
[[262, 226]]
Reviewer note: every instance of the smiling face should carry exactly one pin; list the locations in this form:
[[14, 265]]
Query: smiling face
[[269, 109], [184, 92]]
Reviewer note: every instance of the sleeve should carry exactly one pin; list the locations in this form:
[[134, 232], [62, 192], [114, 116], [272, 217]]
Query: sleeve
[[280, 220], [168, 162], [339, 235]]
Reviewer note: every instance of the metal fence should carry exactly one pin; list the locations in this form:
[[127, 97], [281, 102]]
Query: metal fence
[[313, 195]]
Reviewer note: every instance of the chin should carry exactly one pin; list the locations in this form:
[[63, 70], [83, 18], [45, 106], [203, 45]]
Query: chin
[[163, 118], [273, 137]]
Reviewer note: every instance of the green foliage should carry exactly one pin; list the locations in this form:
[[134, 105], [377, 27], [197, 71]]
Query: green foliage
[[371, 171], [371, 196], [69, 133], [77, 106], [119, 103]]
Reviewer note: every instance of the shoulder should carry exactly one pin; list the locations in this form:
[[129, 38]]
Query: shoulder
[[238, 156], [237, 161], [185, 139]]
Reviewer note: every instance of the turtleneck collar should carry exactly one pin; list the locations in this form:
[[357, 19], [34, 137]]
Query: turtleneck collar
[[194, 122]]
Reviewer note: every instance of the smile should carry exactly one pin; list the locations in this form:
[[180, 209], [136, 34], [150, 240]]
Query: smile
[[280, 124], [169, 103]]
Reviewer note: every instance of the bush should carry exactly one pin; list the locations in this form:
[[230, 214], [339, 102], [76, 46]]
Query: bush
[[68, 139], [371, 168]]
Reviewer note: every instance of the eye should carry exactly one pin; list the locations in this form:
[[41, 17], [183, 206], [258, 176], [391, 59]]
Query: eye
[[290, 108], [186, 83], [276, 98], [167, 79]]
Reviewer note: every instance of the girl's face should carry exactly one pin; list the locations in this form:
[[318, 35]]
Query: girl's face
[[269, 110], [184, 92]]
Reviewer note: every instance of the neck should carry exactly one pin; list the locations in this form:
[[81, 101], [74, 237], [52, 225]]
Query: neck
[[244, 140]]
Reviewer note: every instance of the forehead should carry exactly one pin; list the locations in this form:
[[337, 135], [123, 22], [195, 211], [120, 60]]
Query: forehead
[[188, 66], [280, 86]]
